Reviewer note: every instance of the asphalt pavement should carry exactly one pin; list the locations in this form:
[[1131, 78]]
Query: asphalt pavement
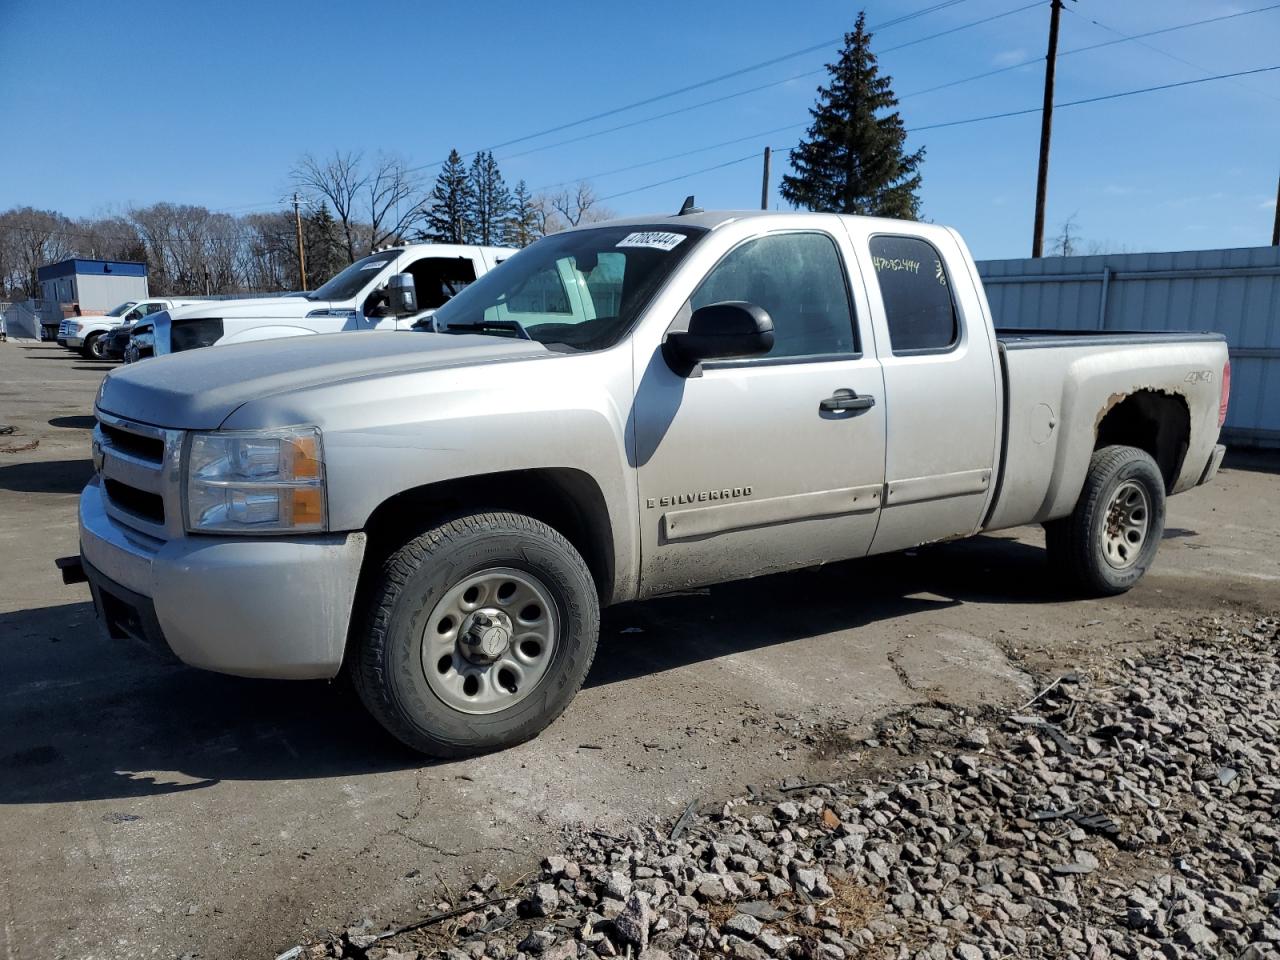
[[147, 809]]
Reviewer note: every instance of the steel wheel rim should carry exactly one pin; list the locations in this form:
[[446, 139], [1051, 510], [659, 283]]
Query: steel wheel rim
[[1125, 527], [481, 680]]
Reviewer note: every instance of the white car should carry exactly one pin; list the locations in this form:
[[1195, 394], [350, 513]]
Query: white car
[[358, 298], [86, 334]]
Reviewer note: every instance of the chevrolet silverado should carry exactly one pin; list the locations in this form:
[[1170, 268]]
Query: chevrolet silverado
[[623, 410]]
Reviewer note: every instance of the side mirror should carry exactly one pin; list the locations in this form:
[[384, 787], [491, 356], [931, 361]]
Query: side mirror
[[402, 295], [720, 331]]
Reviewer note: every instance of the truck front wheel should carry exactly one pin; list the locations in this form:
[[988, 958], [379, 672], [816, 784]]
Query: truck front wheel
[[95, 348], [477, 635], [1110, 539]]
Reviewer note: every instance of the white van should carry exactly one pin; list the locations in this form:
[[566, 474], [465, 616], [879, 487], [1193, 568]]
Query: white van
[[358, 298]]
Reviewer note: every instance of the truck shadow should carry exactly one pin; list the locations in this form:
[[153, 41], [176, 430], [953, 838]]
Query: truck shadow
[[670, 632], [90, 718], [74, 423], [1257, 461], [46, 476]]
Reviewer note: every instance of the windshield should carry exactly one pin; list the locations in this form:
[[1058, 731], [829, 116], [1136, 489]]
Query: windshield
[[582, 289], [121, 309], [353, 279]]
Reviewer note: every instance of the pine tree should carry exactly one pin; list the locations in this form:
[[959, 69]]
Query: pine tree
[[326, 254], [523, 224], [852, 160], [490, 200], [449, 219]]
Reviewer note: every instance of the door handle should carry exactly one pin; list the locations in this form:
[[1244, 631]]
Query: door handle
[[846, 400]]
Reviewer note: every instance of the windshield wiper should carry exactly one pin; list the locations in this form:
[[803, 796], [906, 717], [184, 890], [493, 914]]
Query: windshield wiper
[[480, 326]]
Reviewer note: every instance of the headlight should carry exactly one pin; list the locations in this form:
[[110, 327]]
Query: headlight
[[260, 481]]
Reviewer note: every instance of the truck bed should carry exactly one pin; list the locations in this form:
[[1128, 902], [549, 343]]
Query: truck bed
[[1059, 385]]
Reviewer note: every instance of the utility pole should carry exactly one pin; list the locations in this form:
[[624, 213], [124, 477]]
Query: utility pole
[[764, 185], [1046, 127], [1275, 231], [302, 253]]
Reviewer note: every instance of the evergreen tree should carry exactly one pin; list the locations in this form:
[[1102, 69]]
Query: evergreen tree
[[852, 159], [490, 200], [326, 254], [449, 219], [523, 225]]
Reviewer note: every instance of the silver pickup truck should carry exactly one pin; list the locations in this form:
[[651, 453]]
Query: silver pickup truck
[[617, 412]]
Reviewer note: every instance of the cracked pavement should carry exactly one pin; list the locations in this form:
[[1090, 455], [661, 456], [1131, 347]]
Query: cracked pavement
[[153, 810]]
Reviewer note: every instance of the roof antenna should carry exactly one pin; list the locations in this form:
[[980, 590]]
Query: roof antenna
[[687, 207]]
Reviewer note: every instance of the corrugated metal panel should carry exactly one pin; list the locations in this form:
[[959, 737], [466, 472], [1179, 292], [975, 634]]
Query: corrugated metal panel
[[1235, 292]]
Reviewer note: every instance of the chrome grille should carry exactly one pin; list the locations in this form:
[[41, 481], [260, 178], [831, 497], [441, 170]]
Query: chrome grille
[[140, 472]]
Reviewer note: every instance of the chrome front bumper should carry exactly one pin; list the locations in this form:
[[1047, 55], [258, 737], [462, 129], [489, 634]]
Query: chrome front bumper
[[254, 607]]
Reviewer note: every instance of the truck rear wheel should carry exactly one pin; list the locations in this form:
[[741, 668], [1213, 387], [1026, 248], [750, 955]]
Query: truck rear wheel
[[477, 635], [1107, 543]]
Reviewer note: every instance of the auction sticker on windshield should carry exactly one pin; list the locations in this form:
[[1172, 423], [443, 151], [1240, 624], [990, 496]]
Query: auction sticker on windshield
[[375, 266], [655, 239]]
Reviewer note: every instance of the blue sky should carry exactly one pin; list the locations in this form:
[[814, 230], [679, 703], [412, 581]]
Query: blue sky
[[112, 104]]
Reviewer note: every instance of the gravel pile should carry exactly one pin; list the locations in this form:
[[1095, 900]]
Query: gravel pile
[[1128, 812]]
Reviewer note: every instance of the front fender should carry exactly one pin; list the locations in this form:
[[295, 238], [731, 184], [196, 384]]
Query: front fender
[[384, 435]]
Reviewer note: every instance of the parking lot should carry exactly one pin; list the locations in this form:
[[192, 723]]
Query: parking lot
[[153, 810]]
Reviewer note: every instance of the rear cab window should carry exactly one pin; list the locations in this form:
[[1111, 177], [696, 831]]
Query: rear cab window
[[919, 308]]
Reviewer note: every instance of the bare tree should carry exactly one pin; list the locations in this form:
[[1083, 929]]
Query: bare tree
[[578, 206], [1065, 244], [108, 238], [396, 203], [36, 237], [338, 181]]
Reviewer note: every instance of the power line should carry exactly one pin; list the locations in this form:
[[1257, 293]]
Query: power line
[[799, 76], [684, 176], [750, 68], [955, 123], [674, 156], [1098, 99], [1093, 46], [742, 93], [1165, 53]]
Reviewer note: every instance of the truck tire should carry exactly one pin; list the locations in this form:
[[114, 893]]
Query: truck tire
[[1111, 537], [95, 348], [477, 634]]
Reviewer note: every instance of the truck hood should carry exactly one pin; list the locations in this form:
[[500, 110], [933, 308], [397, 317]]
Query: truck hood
[[260, 307], [199, 389]]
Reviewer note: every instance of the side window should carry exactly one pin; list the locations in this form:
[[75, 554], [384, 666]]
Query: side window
[[918, 306], [438, 279], [133, 315], [151, 308], [799, 279]]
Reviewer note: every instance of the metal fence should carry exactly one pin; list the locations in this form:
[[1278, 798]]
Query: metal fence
[[24, 318], [1234, 292]]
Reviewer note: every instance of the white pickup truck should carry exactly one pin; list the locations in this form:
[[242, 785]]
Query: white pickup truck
[[358, 298], [621, 411], [87, 333]]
